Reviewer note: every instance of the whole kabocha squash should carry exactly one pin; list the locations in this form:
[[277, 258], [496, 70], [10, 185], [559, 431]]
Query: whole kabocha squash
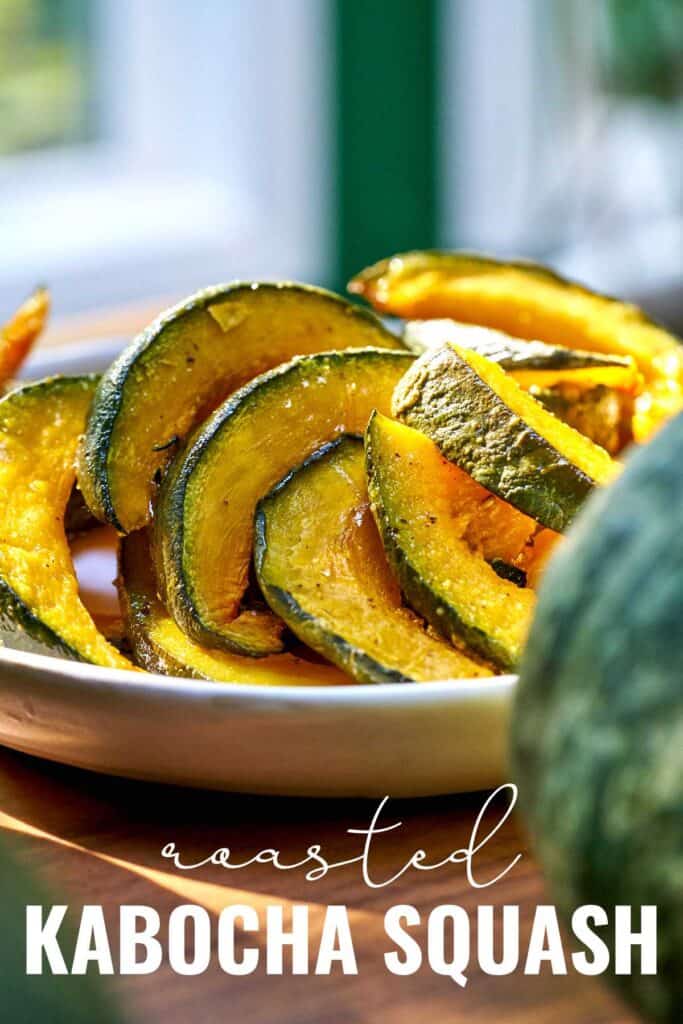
[[597, 734]]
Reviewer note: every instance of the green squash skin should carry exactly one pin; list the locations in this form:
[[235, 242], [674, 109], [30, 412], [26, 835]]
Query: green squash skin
[[168, 533], [357, 663], [94, 469], [510, 353], [481, 435], [422, 596], [20, 628], [597, 731]]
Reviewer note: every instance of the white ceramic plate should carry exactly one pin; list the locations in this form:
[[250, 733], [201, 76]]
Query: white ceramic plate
[[400, 740]]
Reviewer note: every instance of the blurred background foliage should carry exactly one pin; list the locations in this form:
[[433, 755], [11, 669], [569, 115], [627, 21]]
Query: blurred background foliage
[[45, 86]]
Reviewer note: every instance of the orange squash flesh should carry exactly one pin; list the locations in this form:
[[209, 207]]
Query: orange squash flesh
[[441, 531], [39, 596], [18, 334]]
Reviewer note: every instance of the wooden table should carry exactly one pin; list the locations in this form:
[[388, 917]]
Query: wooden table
[[97, 840]]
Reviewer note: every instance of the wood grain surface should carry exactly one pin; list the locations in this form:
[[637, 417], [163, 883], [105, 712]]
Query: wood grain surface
[[94, 839]]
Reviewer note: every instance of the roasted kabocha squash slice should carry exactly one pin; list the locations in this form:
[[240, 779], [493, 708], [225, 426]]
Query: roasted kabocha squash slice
[[187, 362], [484, 422], [532, 363], [20, 332], [594, 393], [457, 550], [158, 645], [530, 301], [321, 565], [40, 607], [203, 525]]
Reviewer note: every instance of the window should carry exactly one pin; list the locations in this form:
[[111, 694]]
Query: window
[[562, 136], [165, 144], [46, 87]]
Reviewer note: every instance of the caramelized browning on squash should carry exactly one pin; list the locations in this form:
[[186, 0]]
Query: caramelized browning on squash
[[441, 530], [40, 608], [187, 362], [160, 646], [485, 423], [18, 334], [321, 565], [529, 301], [203, 529]]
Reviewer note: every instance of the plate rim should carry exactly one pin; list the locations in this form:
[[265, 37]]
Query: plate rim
[[153, 683]]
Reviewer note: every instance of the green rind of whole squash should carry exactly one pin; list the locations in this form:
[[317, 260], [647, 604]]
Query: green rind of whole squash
[[262, 403], [597, 731], [143, 366], [445, 399]]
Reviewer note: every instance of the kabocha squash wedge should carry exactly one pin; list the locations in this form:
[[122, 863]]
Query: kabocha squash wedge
[[184, 364], [321, 565], [592, 392], [532, 363], [20, 332], [441, 530], [40, 609], [158, 645], [203, 526], [530, 301], [483, 421]]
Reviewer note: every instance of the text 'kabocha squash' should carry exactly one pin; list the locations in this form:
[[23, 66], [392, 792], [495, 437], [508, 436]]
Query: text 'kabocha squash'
[[446, 538], [530, 301], [160, 646], [187, 362], [203, 527], [482, 420], [322, 568], [40, 607]]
